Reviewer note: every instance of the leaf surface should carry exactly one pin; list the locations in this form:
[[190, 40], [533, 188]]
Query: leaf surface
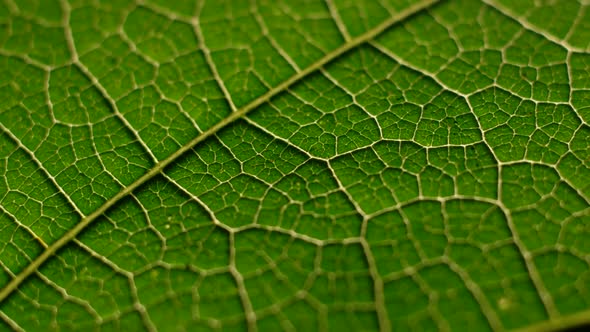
[[294, 165]]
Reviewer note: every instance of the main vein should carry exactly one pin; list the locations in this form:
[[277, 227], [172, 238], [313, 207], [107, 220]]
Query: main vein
[[72, 233]]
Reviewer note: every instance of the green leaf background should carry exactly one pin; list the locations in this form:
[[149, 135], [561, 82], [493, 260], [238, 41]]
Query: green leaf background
[[294, 165]]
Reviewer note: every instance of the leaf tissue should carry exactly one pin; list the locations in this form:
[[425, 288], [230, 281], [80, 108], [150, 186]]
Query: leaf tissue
[[309, 165]]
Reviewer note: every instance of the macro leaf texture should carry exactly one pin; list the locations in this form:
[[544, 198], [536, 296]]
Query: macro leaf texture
[[405, 165]]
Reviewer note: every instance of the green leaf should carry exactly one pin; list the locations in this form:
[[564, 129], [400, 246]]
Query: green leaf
[[294, 165]]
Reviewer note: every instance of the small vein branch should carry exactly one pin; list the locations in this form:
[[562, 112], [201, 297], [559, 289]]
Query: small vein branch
[[207, 54], [506, 11]]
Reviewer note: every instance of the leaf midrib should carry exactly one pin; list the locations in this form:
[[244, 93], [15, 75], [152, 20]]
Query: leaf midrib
[[159, 167]]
